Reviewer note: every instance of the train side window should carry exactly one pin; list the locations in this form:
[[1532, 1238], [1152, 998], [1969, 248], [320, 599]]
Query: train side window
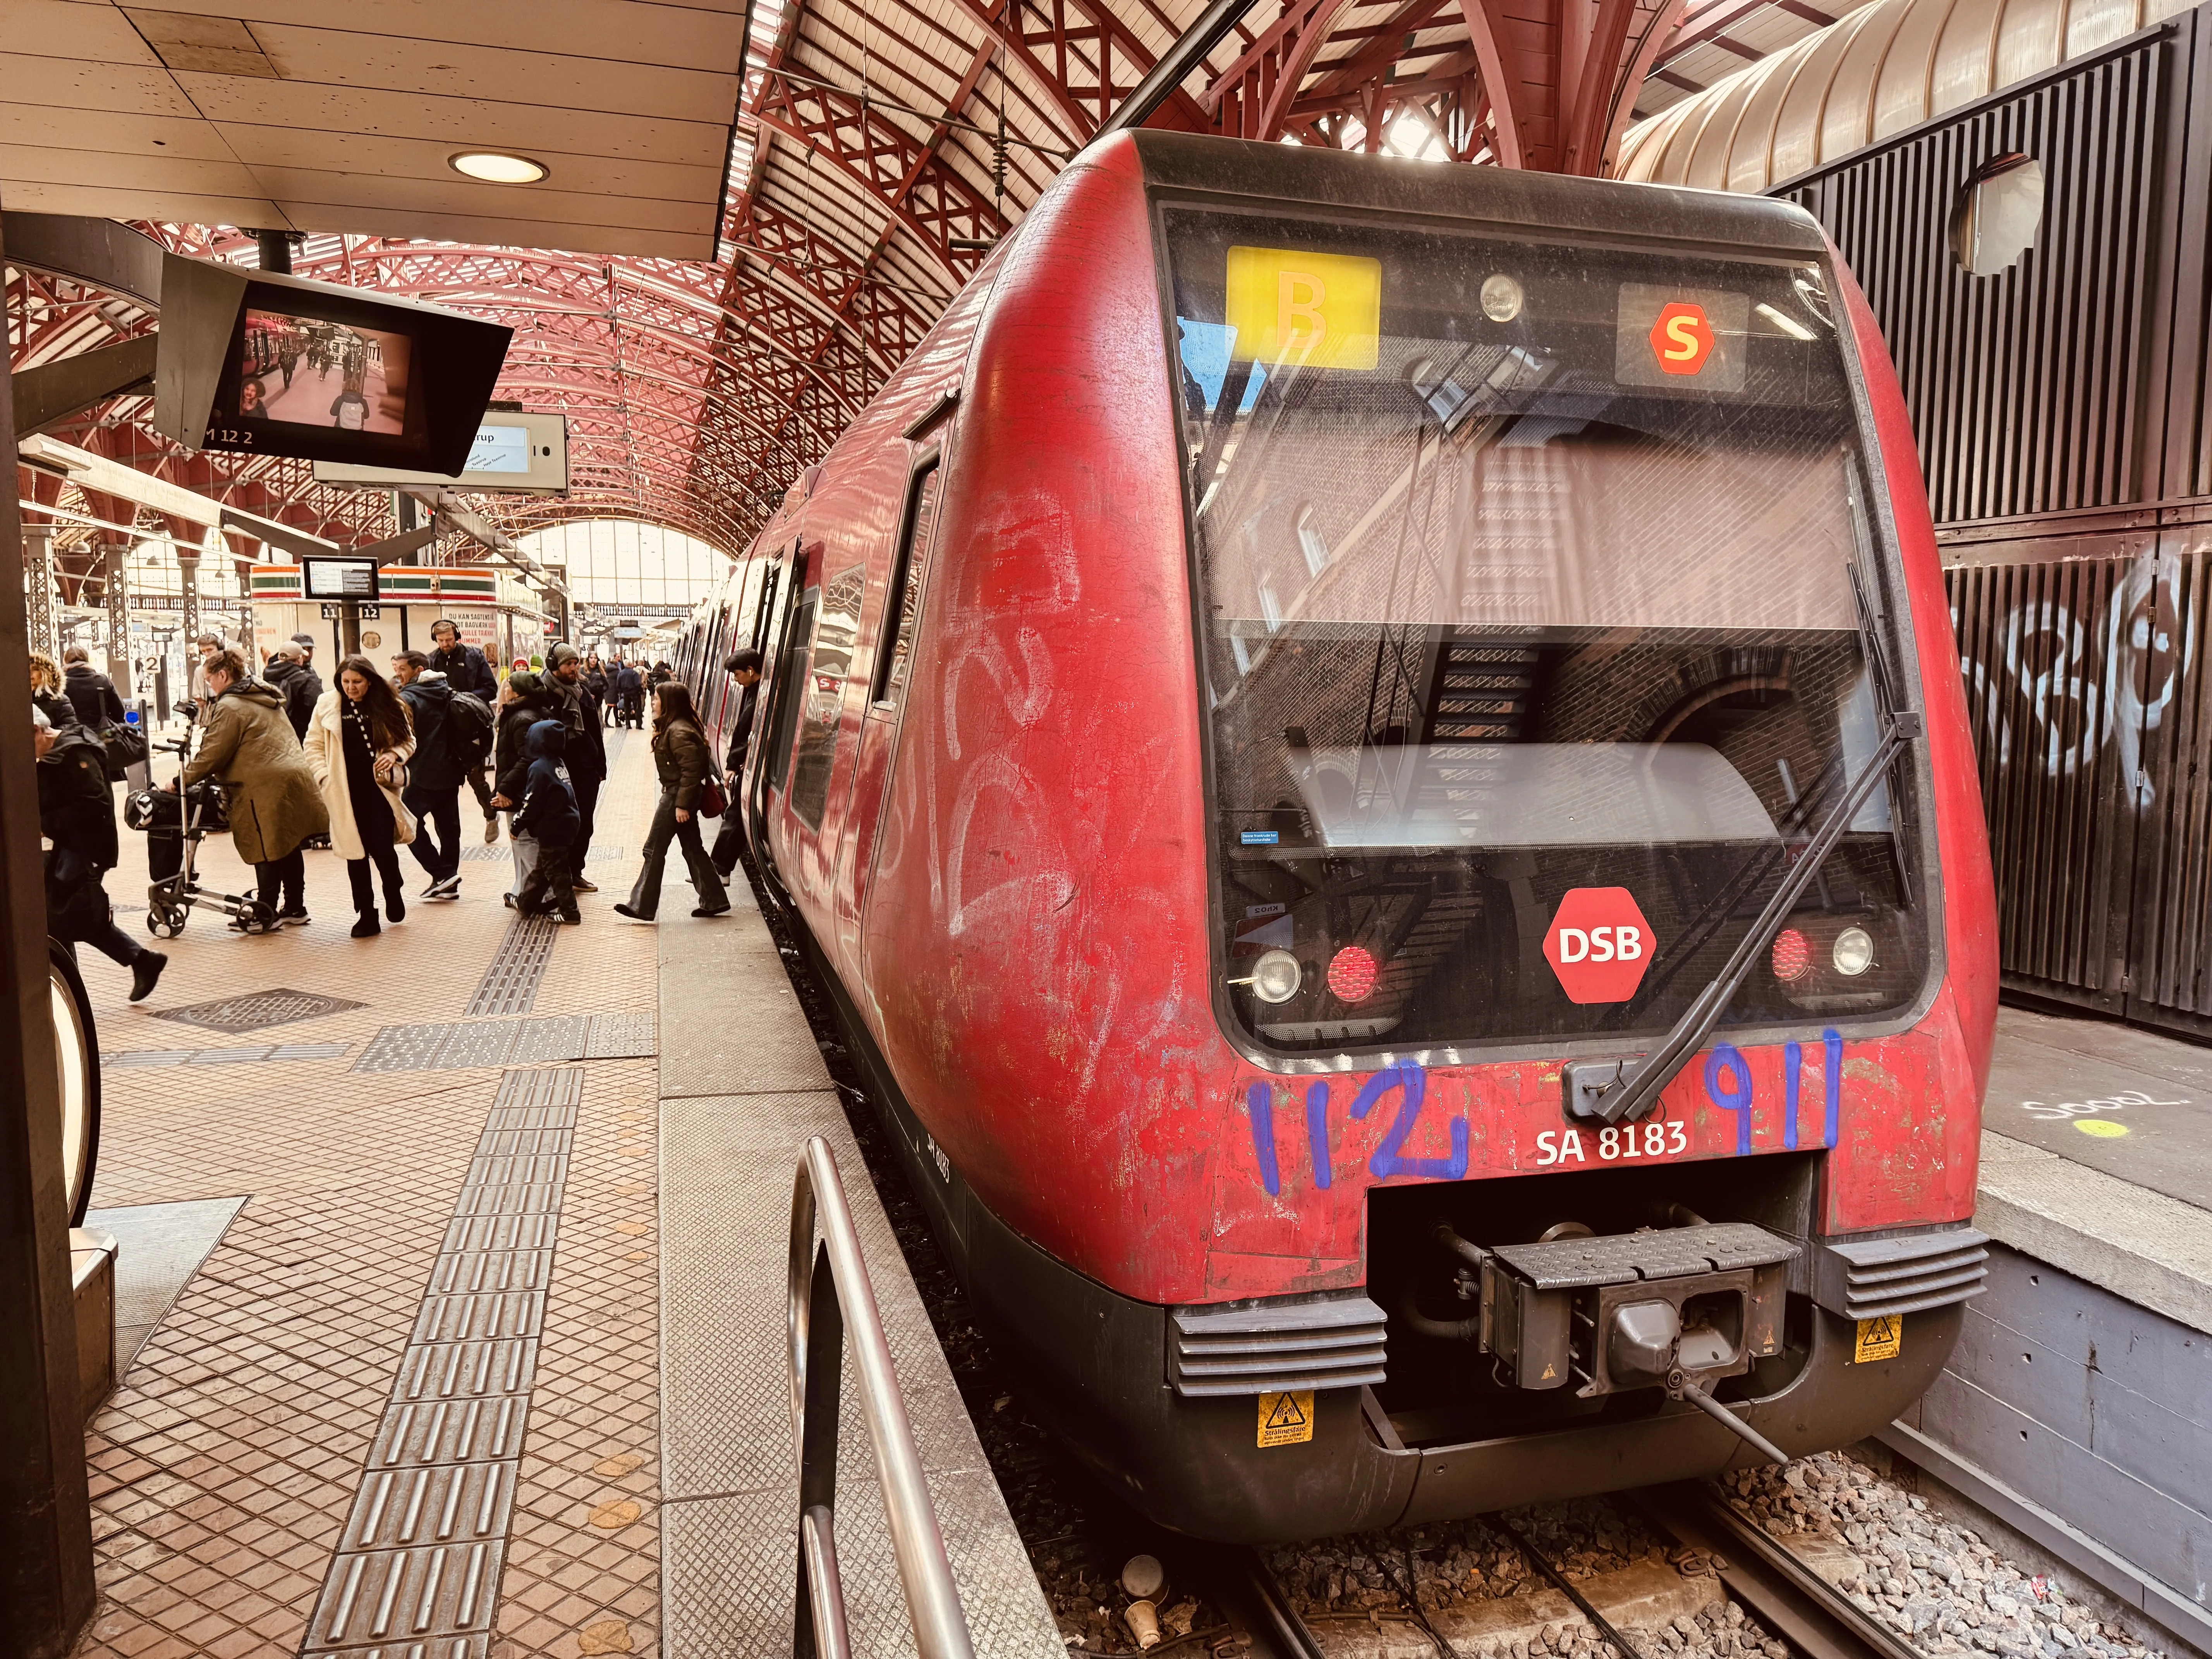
[[820, 695], [790, 691], [908, 579]]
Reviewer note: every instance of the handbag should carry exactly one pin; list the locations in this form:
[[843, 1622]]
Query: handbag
[[126, 748], [712, 802], [394, 779]]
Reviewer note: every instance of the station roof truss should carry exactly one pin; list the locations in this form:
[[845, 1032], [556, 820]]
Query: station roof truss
[[878, 151]]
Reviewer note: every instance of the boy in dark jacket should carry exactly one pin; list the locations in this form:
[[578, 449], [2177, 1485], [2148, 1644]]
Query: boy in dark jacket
[[548, 815]]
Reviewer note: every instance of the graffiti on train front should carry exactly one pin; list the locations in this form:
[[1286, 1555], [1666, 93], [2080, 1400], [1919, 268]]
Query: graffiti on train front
[[2059, 683]]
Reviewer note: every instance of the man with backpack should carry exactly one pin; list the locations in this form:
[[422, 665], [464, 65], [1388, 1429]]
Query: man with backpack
[[433, 779], [586, 755], [470, 676]]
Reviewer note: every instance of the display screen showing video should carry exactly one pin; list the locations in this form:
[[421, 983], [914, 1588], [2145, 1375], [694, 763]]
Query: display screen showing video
[[313, 372]]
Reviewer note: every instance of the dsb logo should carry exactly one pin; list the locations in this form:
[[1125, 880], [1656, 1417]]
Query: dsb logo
[[1599, 944]]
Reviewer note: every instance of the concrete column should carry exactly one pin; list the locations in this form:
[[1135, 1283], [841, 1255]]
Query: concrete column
[[39, 586], [46, 1514]]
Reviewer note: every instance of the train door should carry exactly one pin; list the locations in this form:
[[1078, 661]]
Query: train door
[[886, 693], [791, 631]]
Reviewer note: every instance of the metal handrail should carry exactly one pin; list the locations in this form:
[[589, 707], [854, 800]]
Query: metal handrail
[[820, 1303]]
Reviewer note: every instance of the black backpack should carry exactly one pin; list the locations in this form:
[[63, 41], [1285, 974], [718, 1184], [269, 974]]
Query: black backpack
[[470, 729]]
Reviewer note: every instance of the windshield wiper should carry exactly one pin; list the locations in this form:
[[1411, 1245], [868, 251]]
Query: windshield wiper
[[1613, 1092]]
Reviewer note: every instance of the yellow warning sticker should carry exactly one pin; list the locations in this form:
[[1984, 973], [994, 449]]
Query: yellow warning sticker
[[1285, 1419], [1881, 1337]]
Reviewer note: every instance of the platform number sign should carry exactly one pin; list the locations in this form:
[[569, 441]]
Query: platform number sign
[[1286, 1419], [1880, 1338]]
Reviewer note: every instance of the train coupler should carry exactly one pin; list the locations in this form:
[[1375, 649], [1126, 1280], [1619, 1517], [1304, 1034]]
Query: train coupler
[[1670, 1308]]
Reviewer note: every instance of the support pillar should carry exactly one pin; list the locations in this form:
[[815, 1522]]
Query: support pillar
[[46, 1512], [189, 604], [39, 586], [115, 593]]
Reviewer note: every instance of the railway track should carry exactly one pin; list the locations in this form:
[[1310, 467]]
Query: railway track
[[1784, 1596]]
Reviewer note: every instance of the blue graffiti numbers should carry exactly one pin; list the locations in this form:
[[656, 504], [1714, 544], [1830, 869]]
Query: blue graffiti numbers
[[1728, 1081], [1727, 1085], [1412, 1083]]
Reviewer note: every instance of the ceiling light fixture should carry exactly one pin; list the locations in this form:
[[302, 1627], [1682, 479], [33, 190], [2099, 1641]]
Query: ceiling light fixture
[[496, 167]]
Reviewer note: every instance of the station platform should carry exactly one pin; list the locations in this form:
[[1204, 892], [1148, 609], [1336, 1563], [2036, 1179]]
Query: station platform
[[450, 1288], [2078, 1405]]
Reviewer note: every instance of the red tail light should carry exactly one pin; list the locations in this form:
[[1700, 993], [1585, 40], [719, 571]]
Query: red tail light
[[1352, 973]]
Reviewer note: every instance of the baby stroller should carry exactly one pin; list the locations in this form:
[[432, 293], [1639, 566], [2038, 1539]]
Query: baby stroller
[[175, 823]]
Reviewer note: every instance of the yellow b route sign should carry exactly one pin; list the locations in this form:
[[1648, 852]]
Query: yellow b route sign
[[1880, 1339], [1285, 1419]]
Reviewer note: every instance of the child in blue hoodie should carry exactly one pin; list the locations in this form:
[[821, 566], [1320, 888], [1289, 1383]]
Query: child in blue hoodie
[[548, 815]]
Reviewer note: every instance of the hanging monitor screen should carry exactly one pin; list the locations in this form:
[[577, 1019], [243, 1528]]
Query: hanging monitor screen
[[313, 372], [339, 579], [261, 363]]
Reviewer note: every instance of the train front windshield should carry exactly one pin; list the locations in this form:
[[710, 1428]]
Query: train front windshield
[[1535, 588]]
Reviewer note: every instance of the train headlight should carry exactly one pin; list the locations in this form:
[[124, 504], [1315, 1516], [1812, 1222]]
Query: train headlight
[[1276, 976], [1854, 951], [1501, 298]]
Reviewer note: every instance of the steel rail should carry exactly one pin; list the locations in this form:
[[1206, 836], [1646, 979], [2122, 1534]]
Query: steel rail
[[830, 1287], [1787, 1597]]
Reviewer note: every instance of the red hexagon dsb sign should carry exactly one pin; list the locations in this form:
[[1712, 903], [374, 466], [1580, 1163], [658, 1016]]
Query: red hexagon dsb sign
[[1682, 338], [1599, 944]]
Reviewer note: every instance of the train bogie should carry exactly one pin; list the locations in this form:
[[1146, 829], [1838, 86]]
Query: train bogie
[[1283, 719]]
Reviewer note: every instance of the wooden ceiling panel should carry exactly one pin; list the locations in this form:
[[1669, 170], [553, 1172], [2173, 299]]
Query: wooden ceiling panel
[[473, 122]]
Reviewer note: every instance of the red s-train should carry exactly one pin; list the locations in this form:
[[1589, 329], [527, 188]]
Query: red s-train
[[1323, 685]]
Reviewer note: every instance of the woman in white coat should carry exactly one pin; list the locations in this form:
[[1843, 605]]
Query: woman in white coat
[[358, 741]]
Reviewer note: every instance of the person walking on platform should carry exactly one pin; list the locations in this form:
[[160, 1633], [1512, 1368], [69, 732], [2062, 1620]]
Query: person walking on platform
[[76, 814], [629, 687], [548, 820], [744, 667], [682, 760], [470, 675], [433, 788], [268, 786], [523, 704], [302, 688], [586, 758], [359, 742], [48, 695], [90, 692]]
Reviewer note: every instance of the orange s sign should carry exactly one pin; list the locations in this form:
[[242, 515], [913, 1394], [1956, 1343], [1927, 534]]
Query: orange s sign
[[1682, 337]]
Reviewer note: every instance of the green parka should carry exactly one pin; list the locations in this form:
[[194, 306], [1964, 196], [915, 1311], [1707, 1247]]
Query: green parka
[[267, 784]]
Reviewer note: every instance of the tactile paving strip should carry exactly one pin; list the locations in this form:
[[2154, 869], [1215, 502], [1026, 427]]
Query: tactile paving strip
[[143, 1057], [510, 984], [258, 1010], [417, 1572], [450, 1047]]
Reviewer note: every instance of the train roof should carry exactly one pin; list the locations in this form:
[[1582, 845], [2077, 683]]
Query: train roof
[[1234, 167]]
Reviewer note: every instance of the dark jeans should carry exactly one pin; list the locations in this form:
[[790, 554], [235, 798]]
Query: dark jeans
[[645, 898], [587, 791], [550, 886], [480, 786], [386, 858], [286, 877], [69, 868], [442, 808]]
